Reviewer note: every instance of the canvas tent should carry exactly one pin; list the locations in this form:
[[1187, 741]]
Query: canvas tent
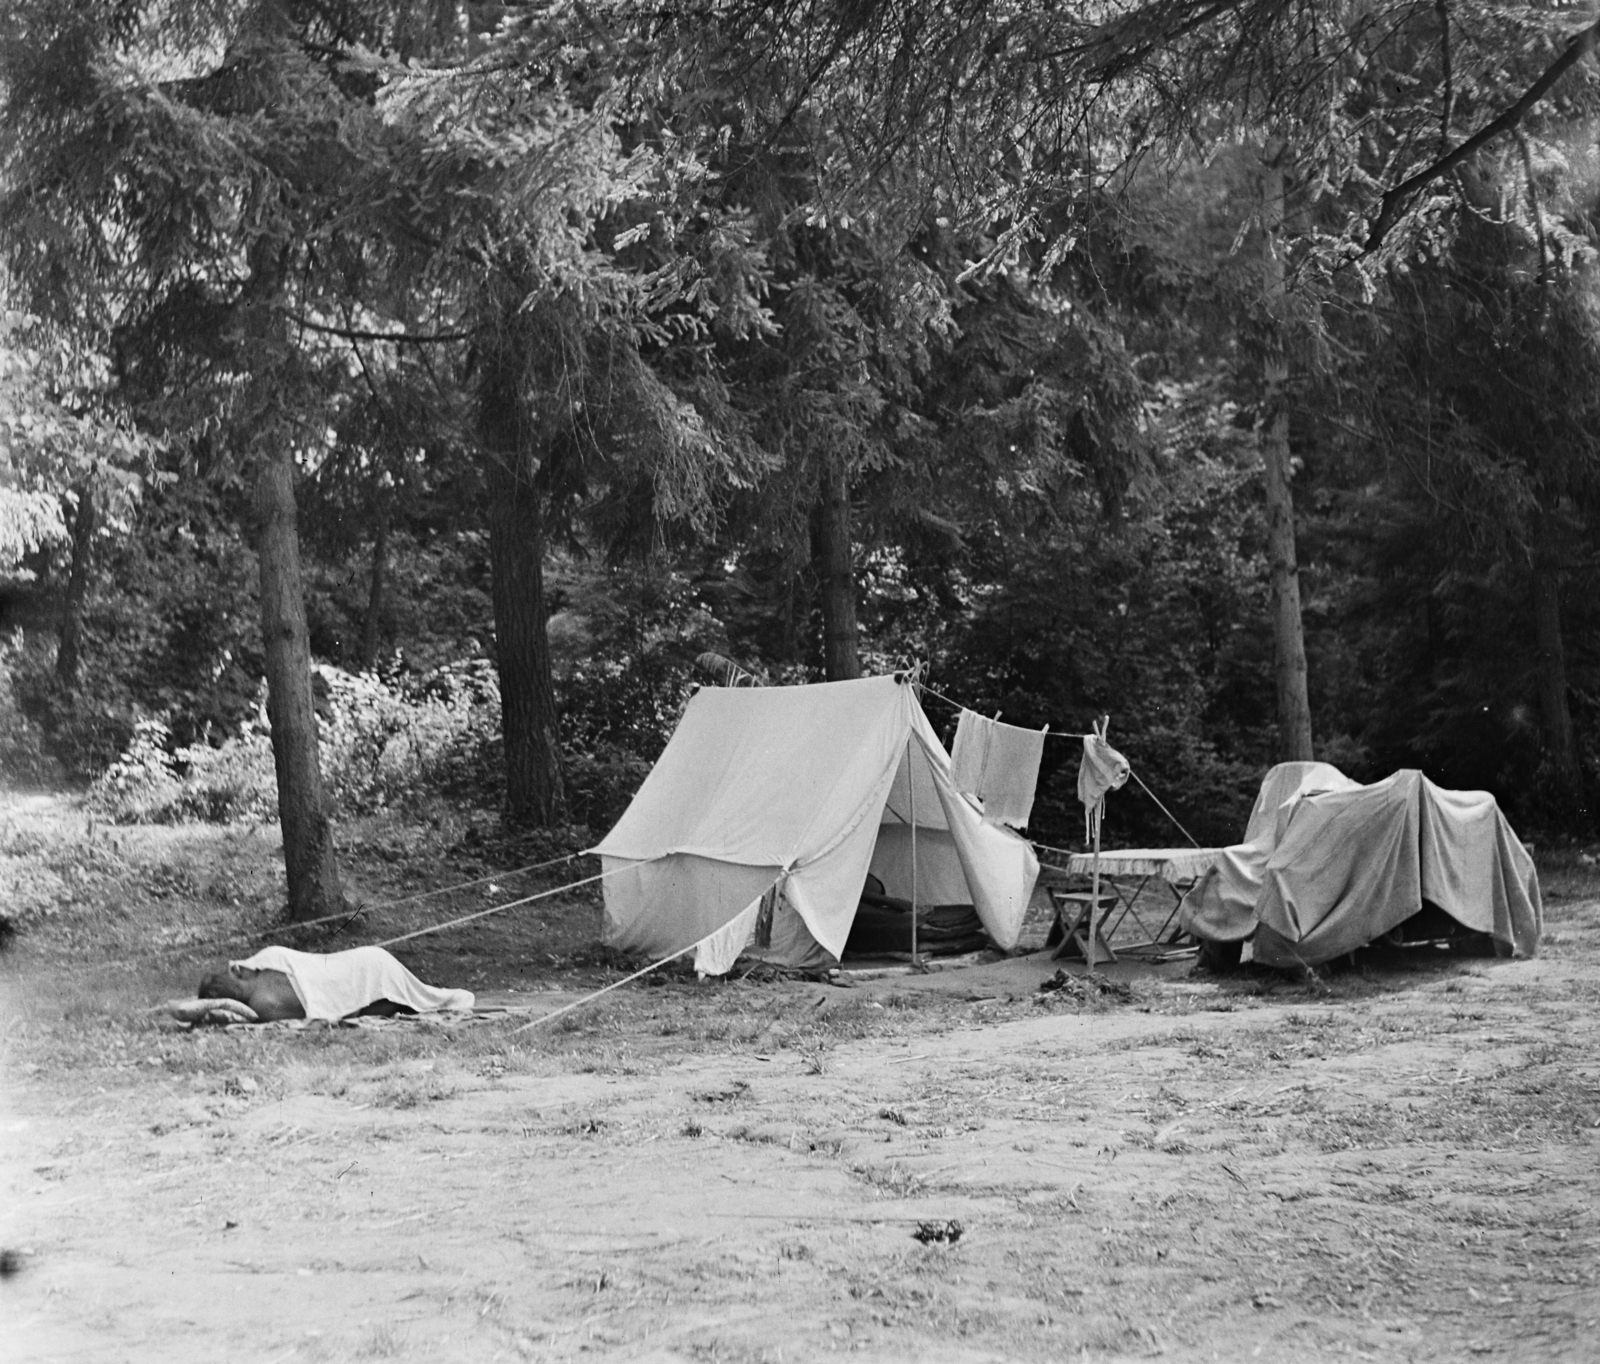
[[801, 791], [1328, 865]]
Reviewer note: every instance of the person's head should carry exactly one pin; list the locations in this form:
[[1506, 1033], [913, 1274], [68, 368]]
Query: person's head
[[223, 984]]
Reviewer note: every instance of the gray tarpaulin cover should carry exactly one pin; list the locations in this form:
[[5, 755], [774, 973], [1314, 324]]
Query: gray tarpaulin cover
[[1328, 865]]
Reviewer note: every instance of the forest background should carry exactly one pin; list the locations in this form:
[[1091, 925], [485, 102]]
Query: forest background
[[405, 400]]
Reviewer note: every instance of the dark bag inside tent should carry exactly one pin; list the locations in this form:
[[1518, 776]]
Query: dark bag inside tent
[[883, 927]]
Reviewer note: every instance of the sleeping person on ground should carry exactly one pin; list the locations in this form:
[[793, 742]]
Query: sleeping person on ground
[[279, 983]]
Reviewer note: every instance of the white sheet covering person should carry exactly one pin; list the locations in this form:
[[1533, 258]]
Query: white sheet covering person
[[334, 985]]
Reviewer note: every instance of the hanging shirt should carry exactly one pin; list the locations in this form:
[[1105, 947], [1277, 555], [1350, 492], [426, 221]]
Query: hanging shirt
[[999, 764], [1102, 769]]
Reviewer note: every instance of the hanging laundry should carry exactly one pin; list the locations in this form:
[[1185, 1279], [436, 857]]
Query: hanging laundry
[[999, 764], [1102, 769]]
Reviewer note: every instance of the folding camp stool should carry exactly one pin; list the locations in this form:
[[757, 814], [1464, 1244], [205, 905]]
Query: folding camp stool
[[1159, 938], [1168, 935], [1074, 910]]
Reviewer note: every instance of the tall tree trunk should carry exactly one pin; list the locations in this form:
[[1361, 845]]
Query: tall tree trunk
[[841, 657], [376, 586], [1555, 711], [1288, 637], [70, 643], [787, 649], [535, 790], [308, 851]]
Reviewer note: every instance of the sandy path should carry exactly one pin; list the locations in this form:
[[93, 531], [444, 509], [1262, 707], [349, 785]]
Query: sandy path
[[1411, 1176]]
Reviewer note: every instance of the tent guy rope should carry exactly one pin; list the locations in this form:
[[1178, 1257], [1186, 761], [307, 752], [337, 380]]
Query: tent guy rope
[[606, 989], [244, 937], [509, 904], [350, 915], [1168, 813]]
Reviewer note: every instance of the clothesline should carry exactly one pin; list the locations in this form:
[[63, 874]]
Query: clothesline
[[1067, 734], [949, 701]]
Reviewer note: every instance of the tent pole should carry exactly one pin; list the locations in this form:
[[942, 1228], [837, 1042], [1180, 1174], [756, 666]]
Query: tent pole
[[911, 786], [1094, 894]]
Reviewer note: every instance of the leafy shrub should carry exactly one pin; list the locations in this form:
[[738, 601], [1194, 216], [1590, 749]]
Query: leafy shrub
[[382, 744], [43, 875], [601, 781], [81, 732], [23, 756], [142, 785], [236, 780], [155, 781]]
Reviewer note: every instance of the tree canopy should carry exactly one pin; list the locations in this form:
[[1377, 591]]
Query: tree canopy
[[1050, 346]]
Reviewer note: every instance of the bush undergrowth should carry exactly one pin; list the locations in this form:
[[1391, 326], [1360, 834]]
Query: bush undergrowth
[[383, 743]]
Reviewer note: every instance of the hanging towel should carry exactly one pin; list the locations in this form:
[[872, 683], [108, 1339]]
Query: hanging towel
[[1102, 769], [999, 764]]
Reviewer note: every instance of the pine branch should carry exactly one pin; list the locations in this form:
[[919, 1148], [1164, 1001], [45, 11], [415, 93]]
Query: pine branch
[[399, 338], [1395, 200]]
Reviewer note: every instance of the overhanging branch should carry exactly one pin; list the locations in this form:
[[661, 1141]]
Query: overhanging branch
[[398, 338], [1396, 199]]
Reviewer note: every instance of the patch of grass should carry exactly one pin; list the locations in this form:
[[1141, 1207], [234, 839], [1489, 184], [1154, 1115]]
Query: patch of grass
[[735, 1092], [893, 1180], [383, 1341], [403, 1093], [1553, 1103]]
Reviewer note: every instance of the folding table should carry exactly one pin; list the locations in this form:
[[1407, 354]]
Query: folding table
[[1178, 867]]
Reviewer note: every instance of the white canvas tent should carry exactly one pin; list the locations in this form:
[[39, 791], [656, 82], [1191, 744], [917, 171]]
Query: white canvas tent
[[803, 790]]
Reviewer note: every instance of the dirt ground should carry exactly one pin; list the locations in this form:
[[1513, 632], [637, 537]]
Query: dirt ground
[[1397, 1163]]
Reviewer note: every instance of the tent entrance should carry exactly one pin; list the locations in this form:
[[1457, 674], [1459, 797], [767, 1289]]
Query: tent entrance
[[926, 871]]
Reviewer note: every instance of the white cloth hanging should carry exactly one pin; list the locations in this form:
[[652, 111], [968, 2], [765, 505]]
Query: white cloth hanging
[[1102, 769], [999, 764]]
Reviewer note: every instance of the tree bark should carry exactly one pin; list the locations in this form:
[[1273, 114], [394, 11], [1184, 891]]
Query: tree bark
[[376, 586], [70, 641], [841, 657], [535, 789], [308, 851], [1288, 636], [1555, 711]]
